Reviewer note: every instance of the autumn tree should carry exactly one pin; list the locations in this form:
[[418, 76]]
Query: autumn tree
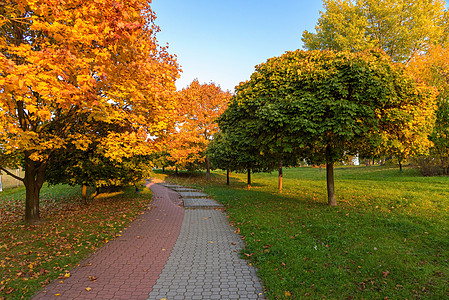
[[196, 124], [91, 166], [399, 27], [433, 68], [59, 60], [334, 103]]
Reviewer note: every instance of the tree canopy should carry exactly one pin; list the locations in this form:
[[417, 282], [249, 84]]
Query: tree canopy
[[433, 69], [60, 60], [400, 28], [195, 123]]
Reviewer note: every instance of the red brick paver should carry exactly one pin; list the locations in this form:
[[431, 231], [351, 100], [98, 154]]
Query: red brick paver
[[127, 267]]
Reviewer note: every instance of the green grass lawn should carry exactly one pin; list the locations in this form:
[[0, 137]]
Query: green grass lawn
[[33, 256], [388, 237]]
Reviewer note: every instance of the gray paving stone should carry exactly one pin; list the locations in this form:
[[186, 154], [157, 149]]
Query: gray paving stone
[[193, 195], [199, 203], [205, 251], [184, 189], [171, 186]]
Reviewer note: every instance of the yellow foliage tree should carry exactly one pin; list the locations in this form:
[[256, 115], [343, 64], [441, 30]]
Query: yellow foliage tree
[[399, 27], [63, 59], [433, 69]]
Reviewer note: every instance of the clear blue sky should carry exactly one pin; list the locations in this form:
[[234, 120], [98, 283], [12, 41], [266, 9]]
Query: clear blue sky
[[222, 41]]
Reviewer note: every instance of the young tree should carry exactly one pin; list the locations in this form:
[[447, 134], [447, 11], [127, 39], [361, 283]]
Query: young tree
[[63, 59], [399, 27], [221, 155], [196, 123]]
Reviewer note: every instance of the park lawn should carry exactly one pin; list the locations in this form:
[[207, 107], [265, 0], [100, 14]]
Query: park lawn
[[388, 236], [33, 256]]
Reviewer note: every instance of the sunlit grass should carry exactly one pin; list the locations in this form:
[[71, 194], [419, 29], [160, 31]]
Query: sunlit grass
[[388, 237]]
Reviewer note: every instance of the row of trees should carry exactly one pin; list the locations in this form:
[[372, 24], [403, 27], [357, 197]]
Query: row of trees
[[322, 106], [341, 97], [80, 79]]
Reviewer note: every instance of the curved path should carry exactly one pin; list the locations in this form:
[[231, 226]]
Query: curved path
[[168, 252]]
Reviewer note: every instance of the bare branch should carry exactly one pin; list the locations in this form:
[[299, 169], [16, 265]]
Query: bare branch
[[11, 174]]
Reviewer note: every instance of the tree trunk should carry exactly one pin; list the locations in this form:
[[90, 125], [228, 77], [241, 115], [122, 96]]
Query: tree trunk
[[84, 194], [176, 171], [163, 169], [280, 177], [34, 179], [332, 201], [207, 168], [227, 176], [249, 178], [400, 164]]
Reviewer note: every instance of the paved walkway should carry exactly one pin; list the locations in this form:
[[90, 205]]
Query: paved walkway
[[168, 252]]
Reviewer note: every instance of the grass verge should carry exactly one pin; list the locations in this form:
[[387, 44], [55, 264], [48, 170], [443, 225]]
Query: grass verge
[[387, 239], [33, 256]]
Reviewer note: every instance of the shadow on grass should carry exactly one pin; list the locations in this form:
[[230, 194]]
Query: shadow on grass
[[199, 178]]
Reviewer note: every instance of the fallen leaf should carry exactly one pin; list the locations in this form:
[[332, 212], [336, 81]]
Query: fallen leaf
[[287, 294], [88, 289]]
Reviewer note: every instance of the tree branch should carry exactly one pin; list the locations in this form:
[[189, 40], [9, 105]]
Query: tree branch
[[11, 174]]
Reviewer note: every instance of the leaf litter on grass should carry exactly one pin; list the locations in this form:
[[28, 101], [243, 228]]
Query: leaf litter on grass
[[31, 256]]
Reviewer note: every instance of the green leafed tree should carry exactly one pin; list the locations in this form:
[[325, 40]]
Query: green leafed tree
[[399, 27], [331, 104], [241, 138]]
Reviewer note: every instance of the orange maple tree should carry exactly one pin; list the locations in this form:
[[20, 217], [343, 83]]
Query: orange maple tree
[[199, 107], [60, 60]]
